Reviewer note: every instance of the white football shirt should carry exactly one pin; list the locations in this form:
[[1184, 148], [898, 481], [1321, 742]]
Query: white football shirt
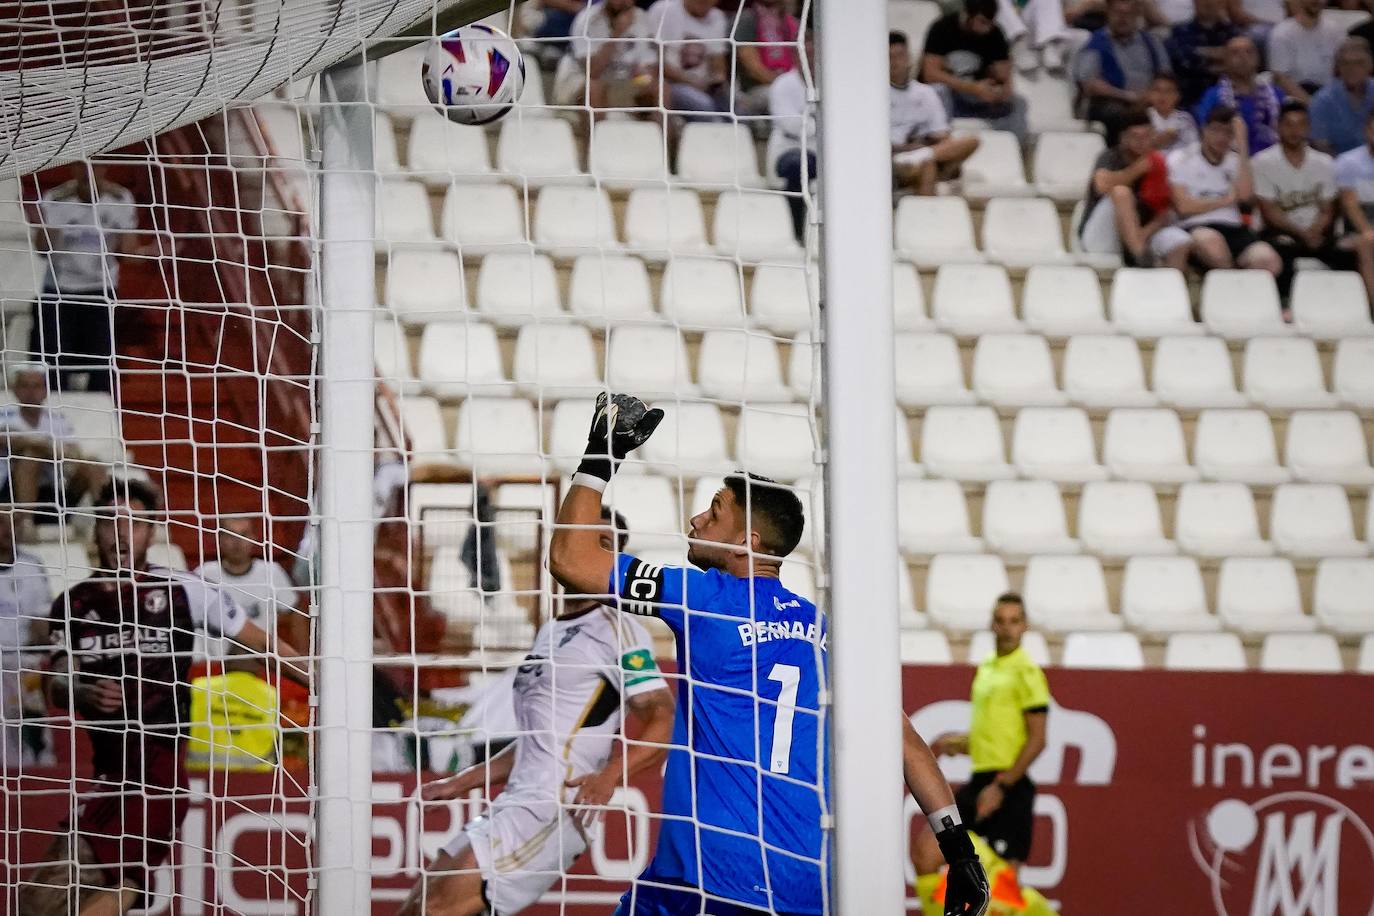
[[24, 597], [263, 591], [82, 234], [915, 112], [1298, 191], [1192, 171], [689, 42]]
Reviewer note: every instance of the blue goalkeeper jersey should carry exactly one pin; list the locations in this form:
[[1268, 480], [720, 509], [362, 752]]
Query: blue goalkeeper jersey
[[748, 778]]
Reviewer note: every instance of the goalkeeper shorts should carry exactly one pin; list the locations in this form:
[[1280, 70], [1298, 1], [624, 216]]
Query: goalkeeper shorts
[[521, 848]]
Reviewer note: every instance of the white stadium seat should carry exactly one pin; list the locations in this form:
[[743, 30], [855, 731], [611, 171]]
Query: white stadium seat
[[95, 424], [1260, 595], [538, 151], [1015, 370], [650, 361], [932, 518], [1102, 372], [1327, 446], [624, 154], [1312, 520], [1305, 653], [610, 288], [1055, 443], [567, 436], [799, 577], [740, 366], [702, 292], [964, 443], [908, 299], [1101, 262], [913, 18], [403, 213], [982, 644], [555, 361], [1021, 232], [1063, 301], [1365, 663], [440, 151], [1219, 520], [484, 218], [385, 154], [1146, 444], [661, 223], [570, 220], [754, 226], [1025, 517], [1330, 305], [804, 368], [1204, 652], [391, 352], [1194, 372], [690, 440], [65, 564], [994, 169], [906, 460], [1068, 593], [925, 647], [423, 426], [932, 231], [456, 359], [424, 285], [1119, 651], [1165, 595], [960, 589], [718, 154], [783, 297], [1062, 159], [1151, 302], [652, 507], [517, 287], [1353, 373], [1120, 518], [1343, 595], [929, 371], [1049, 101], [776, 441], [398, 83], [974, 299], [1238, 445], [499, 436], [1285, 374], [1237, 304]]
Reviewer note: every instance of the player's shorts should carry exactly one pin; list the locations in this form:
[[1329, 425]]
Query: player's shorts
[[1008, 829], [656, 900], [522, 848]]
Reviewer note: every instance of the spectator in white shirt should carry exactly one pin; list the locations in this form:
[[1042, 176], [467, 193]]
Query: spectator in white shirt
[[792, 141], [923, 149], [258, 585], [1355, 181], [1302, 50], [25, 600], [693, 35], [1173, 127], [613, 61]]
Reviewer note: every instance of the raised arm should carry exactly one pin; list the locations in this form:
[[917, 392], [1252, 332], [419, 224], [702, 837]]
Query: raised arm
[[966, 889], [293, 665]]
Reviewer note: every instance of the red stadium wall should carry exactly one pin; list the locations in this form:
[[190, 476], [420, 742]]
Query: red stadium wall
[[1161, 792]]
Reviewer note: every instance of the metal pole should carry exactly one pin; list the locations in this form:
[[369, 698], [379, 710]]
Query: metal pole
[[347, 204], [861, 475]]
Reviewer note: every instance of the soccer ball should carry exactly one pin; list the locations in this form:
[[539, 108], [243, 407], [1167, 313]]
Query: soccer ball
[[473, 75]]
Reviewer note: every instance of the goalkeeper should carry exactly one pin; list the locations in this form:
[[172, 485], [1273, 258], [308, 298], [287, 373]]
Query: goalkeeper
[[747, 780]]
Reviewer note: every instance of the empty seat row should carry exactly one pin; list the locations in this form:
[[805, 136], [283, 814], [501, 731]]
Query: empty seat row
[[1060, 163]]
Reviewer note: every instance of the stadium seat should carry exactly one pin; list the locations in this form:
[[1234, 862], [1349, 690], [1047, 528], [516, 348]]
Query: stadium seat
[[440, 151], [398, 82], [555, 361], [1068, 593], [484, 218], [738, 366], [803, 368], [21, 274], [1237, 304], [1025, 517], [1102, 372], [403, 213], [626, 154], [908, 299], [1218, 520], [1330, 305], [1285, 374], [607, 288], [994, 169], [964, 443], [776, 441], [960, 589], [498, 437], [799, 577], [718, 154], [663, 223], [1055, 443], [567, 436], [925, 647], [391, 352], [1062, 160], [702, 292], [974, 299], [515, 288], [1312, 520], [783, 298], [689, 441], [652, 507], [913, 18], [906, 460], [1343, 595], [1365, 663], [424, 285], [1063, 301], [1327, 446], [1165, 595], [459, 358], [754, 226], [1049, 102], [571, 221], [1146, 444], [650, 361], [1120, 518], [1151, 302], [95, 423], [982, 644], [929, 371], [1021, 232], [1260, 595], [1353, 373], [64, 563], [1238, 445], [1204, 652], [1119, 651], [423, 426], [538, 151], [1103, 262], [933, 231], [386, 157], [1015, 370], [1194, 372], [1303, 653], [932, 518]]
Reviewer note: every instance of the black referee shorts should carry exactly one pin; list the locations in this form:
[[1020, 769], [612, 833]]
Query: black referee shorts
[[1008, 829]]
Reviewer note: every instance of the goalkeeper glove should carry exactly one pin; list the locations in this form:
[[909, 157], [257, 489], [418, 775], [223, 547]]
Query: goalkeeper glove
[[966, 884], [620, 424]]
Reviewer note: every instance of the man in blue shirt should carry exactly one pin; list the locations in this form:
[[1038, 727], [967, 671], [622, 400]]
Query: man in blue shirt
[[1241, 87], [746, 792], [1339, 108]]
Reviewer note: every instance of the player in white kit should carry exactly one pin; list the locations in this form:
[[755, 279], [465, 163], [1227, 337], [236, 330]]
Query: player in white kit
[[585, 668]]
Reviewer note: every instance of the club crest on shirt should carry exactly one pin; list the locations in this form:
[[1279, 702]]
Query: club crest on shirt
[[156, 602]]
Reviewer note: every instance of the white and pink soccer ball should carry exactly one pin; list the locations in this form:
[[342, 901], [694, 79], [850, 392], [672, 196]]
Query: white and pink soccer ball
[[473, 75]]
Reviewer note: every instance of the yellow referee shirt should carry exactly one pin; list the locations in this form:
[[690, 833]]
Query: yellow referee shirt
[[1003, 689]]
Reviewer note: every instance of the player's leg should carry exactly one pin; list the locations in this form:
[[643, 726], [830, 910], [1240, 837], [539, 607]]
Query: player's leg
[[452, 886]]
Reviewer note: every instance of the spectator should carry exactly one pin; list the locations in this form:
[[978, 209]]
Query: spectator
[[693, 36], [1243, 88], [556, 24], [1197, 49], [1302, 50], [968, 62], [1341, 107], [261, 587], [792, 141], [1127, 205], [1209, 183], [83, 226], [923, 150], [24, 602], [612, 63], [1037, 32], [1174, 127], [1355, 181], [1256, 18], [1117, 65], [765, 48], [1295, 187]]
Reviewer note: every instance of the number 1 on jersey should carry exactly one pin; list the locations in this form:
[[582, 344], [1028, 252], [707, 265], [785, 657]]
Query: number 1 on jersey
[[788, 676]]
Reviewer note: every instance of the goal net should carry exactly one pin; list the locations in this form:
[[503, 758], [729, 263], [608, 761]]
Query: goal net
[[194, 210]]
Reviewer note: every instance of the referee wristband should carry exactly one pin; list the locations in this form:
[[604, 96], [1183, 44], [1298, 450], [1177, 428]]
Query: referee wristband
[[945, 819], [583, 479]]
